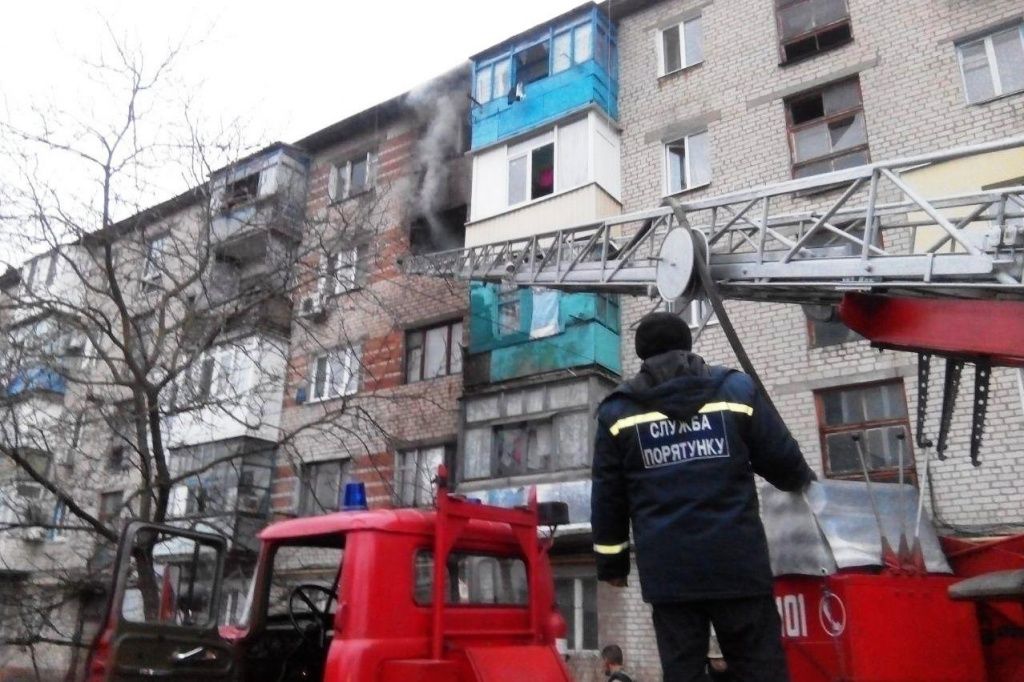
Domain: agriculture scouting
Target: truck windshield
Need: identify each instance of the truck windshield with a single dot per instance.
(472, 578)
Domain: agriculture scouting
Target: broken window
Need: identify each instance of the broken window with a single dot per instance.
(687, 163)
(241, 191)
(808, 27)
(433, 352)
(993, 65)
(827, 129)
(438, 232)
(680, 46)
(352, 177)
(876, 414)
(532, 64)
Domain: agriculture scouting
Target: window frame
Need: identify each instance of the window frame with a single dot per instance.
(578, 577)
(814, 33)
(528, 153)
(991, 62)
(451, 348)
(401, 471)
(350, 355)
(508, 296)
(659, 39)
(329, 284)
(667, 189)
(890, 474)
(153, 262)
(307, 496)
(826, 119)
(341, 172)
(102, 514)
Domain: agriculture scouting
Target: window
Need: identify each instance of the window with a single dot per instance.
(110, 507)
(687, 163)
(573, 46)
(523, 448)
(680, 46)
(153, 267)
(493, 80)
(695, 312)
(204, 387)
(433, 352)
(577, 600)
(339, 272)
(241, 192)
(415, 471)
(509, 320)
(322, 484)
(827, 130)
(825, 329)
(531, 175)
(334, 375)
(532, 64)
(57, 520)
(808, 27)
(52, 268)
(993, 65)
(473, 579)
(877, 414)
(352, 177)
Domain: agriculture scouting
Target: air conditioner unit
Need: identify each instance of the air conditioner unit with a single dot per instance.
(312, 307)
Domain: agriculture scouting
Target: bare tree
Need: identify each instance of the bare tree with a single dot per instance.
(137, 335)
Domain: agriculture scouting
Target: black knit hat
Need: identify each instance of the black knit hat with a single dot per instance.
(660, 333)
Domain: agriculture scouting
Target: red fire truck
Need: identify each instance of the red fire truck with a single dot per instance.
(463, 592)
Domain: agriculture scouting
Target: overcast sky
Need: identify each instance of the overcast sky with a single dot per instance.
(292, 67)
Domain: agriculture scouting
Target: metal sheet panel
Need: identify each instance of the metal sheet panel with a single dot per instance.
(833, 527)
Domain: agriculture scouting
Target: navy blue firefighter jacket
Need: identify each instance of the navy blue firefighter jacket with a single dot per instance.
(676, 451)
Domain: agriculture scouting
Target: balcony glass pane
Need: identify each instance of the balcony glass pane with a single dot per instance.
(583, 39)
(562, 57)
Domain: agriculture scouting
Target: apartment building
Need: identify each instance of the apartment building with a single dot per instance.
(719, 95)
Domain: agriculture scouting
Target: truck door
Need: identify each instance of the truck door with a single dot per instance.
(164, 609)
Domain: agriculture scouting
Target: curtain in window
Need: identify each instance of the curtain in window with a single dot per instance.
(545, 313)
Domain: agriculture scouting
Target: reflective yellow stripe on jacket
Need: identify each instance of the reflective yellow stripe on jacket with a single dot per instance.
(647, 417)
(611, 549)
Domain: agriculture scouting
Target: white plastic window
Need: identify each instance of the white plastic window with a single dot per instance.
(680, 46)
(334, 375)
(687, 163)
(993, 65)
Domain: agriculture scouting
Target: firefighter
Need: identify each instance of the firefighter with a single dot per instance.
(676, 451)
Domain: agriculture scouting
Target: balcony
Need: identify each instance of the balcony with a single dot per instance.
(229, 491)
(257, 205)
(518, 333)
(544, 74)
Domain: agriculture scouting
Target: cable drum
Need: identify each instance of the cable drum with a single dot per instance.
(676, 274)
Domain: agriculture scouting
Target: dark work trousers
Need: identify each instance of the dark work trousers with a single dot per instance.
(749, 634)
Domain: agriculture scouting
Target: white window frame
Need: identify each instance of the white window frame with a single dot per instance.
(342, 172)
(694, 313)
(659, 44)
(349, 360)
(579, 613)
(666, 164)
(330, 283)
(993, 66)
(309, 503)
(526, 150)
(153, 262)
(420, 497)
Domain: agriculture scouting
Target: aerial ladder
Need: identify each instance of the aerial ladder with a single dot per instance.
(941, 276)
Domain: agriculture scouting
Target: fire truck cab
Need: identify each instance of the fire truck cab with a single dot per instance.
(354, 595)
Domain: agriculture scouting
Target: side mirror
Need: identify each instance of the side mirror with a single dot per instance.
(552, 513)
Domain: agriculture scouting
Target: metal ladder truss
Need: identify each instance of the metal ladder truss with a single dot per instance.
(808, 241)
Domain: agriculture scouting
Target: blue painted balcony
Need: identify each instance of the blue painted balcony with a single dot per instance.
(523, 332)
(542, 75)
(44, 379)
